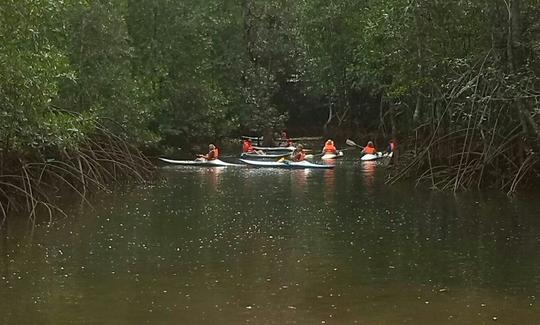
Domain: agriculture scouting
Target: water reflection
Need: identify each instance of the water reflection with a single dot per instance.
(212, 174)
(329, 185)
(265, 246)
(369, 169)
(299, 178)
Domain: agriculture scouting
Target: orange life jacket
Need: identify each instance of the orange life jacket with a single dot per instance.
(330, 148)
(369, 150)
(247, 147)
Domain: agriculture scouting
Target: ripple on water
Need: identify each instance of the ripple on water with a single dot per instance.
(270, 246)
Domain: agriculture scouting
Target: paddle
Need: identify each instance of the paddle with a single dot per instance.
(350, 142)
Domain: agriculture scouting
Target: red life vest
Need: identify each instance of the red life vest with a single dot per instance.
(369, 150)
(330, 148)
(247, 147)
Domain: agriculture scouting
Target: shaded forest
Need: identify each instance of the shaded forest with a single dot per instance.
(87, 86)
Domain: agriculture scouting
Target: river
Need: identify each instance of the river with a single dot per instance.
(265, 246)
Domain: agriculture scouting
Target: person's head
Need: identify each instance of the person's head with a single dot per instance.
(329, 142)
(300, 147)
(283, 134)
(211, 146)
(370, 144)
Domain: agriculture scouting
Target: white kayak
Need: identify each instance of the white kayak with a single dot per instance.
(199, 162)
(378, 155)
(264, 156)
(285, 164)
(291, 148)
(332, 155)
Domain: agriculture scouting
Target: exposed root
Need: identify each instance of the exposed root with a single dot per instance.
(477, 140)
(29, 186)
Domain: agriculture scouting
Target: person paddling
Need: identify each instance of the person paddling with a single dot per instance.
(369, 149)
(329, 147)
(212, 154)
(247, 147)
(298, 154)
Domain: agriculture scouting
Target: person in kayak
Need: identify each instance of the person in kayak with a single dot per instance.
(329, 147)
(285, 141)
(298, 153)
(369, 149)
(213, 153)
(392, 146)
(247, 147)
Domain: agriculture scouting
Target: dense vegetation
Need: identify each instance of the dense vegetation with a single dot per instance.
(457, 81)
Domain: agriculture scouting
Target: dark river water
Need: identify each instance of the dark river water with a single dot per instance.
(265, 246)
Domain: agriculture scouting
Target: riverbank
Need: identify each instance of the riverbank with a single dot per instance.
(32, 183)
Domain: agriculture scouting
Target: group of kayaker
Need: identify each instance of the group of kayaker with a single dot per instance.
(299, 153)
(370, 149)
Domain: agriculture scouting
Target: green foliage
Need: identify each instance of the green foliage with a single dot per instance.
(30, 68)
(185, 70)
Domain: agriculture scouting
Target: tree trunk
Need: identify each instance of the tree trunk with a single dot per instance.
(513, 39)
(417, 110)
(420, 70)
(248, 28)
(393, 127)
(330, 118)
(381, 115)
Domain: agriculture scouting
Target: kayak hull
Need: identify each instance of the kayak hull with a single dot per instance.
(199, 162)
(378, 155)
(290, 165)
(263, 156)
(291, 148)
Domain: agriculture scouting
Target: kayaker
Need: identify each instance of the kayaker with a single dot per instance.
(285, 141)
(392, 146)
(369, 149)
(329, 147)
(213, 153)
(298, 153)
(247, 147)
